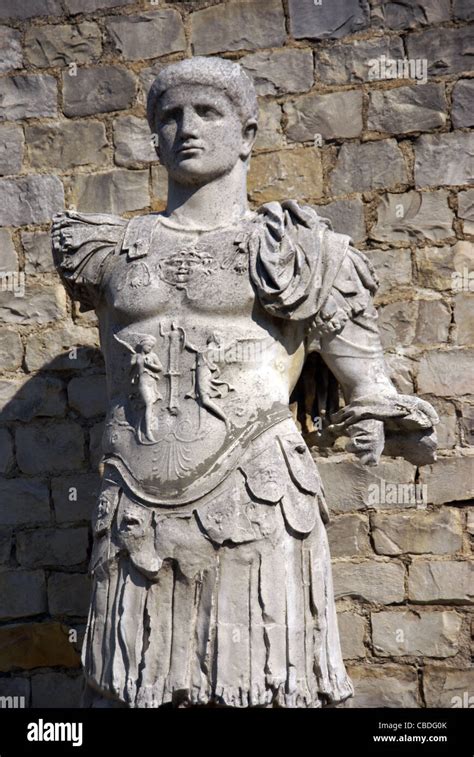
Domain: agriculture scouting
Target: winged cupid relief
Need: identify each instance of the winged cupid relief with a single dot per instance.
(211, 572)
(145, 369)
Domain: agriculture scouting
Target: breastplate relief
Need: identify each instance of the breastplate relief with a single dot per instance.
(208, 271)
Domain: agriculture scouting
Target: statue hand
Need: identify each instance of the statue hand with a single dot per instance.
(398, 411)
(367, 441)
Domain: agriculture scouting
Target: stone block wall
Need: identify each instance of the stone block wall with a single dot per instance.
(366, 109)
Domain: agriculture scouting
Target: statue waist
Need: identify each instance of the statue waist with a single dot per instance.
(184, 464)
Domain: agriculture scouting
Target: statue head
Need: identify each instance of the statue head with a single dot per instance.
(204, 112)
(146, 344)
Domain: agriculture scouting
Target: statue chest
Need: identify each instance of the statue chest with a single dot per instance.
(182, 272)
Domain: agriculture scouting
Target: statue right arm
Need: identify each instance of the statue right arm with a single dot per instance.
(82, 243)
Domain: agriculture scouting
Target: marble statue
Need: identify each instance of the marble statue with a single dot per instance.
(211, 571)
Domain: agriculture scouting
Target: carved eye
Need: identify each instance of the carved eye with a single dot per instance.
(167, 116)
(207, 112)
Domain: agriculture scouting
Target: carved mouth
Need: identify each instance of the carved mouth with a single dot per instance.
(186, 149)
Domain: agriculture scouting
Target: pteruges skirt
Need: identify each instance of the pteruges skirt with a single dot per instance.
(226, 601)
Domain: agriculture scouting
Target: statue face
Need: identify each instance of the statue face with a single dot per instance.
(201, 136)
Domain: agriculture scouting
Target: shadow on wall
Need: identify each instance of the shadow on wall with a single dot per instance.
(50, 447)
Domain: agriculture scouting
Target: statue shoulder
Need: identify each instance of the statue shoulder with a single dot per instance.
(82, 243)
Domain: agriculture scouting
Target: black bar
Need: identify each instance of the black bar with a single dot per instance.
(218, 730)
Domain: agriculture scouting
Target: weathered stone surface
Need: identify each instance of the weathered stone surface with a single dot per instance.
(18, 689)
(436, 375)
(280, 71)
(350, 486)
(68, 594)
(6, 540)
(13, 9)
(466, 210)
(413, 216)
(462, 113)
(26, 399)
(346, 216)
(30, 199)
(56, 690)
(330, 116)
(99, 89)
(447, 429)
(467, 424)
(436, 533)
(159, 186)
(56, 145)
(352, 633)
(446, 50)
(444, 159)
(88, 395)
(441, 581)
(23, 593)
(27, 96)
(132, 141)
(148, 75)
(368, 165)
(463, 9)
(327, 20)
(148, 35)
(269, 135)
(37, 249)
(62, 44)
(24, 500)
(383, 686)
(396, 15)
(451, 479)
(430, 634)
(434, 319)
(344, 63)
(470, 521)
(349, 535)
(52, 547)
(67, 348)
(43, 302)
(8, 256)
(393, 268)
(95, 445)
(406, 109)
(86, 6)
(54, 448)
(74, 496)
(36, 645)
(11, 350)
(437, 267)
(7, 455)
(11, 149)
(112, 192)
(287, 174)
(397, 323)
(401, 370)
(464, 318)
(238, 26)
(10, 44)
(446, 687)
(371, 581)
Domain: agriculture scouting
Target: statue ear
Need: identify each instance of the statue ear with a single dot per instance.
(249, 133)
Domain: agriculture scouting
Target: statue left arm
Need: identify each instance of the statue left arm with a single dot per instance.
(349, 343)
(303, 270)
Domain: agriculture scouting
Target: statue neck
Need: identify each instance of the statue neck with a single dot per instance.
(219, 202)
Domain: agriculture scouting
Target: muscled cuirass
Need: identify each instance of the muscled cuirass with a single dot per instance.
(197, 368)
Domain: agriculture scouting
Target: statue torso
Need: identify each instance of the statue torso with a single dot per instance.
(196, 367)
